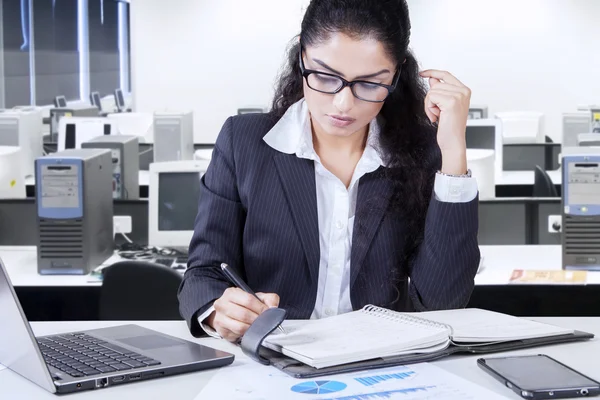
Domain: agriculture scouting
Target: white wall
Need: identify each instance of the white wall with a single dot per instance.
(215, 56)
(539, 55)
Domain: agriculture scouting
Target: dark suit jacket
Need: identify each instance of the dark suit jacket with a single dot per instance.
(258, 213)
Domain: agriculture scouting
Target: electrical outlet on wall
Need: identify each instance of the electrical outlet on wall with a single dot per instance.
(121, 224)
(554, 223)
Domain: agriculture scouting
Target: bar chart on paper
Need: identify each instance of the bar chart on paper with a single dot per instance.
(373, 380)
(414, 382)
(409, 393)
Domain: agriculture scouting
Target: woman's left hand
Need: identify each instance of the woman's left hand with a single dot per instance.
(447, 102)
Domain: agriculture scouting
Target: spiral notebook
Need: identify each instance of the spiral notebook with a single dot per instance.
(374, 333)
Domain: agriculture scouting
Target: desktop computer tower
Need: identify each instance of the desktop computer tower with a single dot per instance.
(125, 164)
(173, 136)
(23, 129)
(74, 211)
(581, 209)
(574, 124)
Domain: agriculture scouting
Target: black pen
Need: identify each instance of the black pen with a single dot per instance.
(238, 282)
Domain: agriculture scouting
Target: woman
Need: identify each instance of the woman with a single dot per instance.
(355, 182)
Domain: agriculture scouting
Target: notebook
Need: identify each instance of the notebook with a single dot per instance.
(378, 333)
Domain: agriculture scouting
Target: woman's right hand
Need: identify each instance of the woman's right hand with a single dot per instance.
(236, 310)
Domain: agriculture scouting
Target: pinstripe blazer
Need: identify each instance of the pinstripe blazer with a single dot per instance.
(257, 212)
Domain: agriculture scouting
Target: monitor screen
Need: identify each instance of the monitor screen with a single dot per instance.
(119, 98)
(70, 139)
(524, 157)
(60, 102)
(481, 137)
(178, 194)
(96, 100)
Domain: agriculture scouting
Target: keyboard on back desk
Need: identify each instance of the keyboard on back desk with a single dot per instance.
(171, 262)
(79, 355)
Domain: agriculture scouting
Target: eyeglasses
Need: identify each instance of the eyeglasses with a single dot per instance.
(332, 84)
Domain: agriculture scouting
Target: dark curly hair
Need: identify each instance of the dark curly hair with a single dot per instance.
(408, 139)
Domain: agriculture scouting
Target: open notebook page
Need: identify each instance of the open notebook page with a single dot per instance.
(353, 336)
(479, 326)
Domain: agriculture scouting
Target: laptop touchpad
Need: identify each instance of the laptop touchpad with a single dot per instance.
(149, 342)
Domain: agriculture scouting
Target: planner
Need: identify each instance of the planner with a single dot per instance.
(374, 337)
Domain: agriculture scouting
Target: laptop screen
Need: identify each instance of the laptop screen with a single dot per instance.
(20, 351)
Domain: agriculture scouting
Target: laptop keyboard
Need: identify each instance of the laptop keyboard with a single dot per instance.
(79, 355)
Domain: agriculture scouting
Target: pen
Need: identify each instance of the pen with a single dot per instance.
(237, 281)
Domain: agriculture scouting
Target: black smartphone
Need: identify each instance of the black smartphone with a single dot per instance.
(539, 377)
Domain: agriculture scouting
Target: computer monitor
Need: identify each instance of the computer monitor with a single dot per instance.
(23, 129)
(478, 112)
(173, 192)
(60, 102)
(486, 134)
(95, 100)
(72, 131)
(119, 99)
(76, 110)
(525, 156)
(522, 126)
(250, 110)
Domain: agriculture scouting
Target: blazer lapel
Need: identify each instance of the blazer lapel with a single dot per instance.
(374, 194)
(297, 177)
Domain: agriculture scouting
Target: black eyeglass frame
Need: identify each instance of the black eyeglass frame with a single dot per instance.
(390, 88)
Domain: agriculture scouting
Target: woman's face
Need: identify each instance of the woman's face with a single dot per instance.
(342, 114)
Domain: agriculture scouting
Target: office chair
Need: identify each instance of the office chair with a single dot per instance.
(139, 290)
(542, 184)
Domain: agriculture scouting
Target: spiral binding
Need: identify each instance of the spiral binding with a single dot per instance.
(405, 318)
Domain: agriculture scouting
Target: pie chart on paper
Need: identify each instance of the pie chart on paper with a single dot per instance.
(319, 387)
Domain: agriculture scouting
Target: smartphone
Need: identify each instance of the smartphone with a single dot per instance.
(539, 377)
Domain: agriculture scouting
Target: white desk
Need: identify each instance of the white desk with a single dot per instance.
(500, 261)
(21, 264)
(507, 178)
(525, 177)
(187, 386)
(143, 176)
(498, 264)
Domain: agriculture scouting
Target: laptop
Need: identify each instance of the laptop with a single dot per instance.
(93, 359)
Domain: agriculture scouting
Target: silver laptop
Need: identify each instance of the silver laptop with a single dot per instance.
(93, 359)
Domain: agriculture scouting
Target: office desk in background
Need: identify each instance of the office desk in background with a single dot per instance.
(493, 291)
(498, 263)
(143, 176)
(73, 298)
(525, 178)
(188, 386)
(509, 184)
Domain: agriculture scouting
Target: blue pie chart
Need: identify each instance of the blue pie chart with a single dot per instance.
(319, 387)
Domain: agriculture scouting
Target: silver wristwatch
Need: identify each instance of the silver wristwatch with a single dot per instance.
(467, 175)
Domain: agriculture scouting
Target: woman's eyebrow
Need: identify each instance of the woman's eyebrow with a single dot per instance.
(322, 64)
